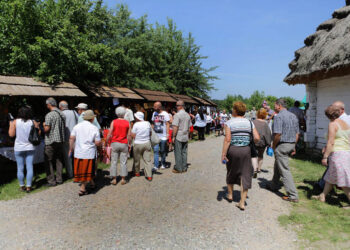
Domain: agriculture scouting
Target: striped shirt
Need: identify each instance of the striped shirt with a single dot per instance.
(241, 129)
(286, 124)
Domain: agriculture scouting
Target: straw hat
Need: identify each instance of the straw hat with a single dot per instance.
(89, 115)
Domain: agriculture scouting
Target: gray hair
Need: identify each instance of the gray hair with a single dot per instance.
(63, 105)
(51, 101)
(281, 102)
(120, 112)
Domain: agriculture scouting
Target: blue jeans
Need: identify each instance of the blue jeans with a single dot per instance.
(162, 149)
(24, 158)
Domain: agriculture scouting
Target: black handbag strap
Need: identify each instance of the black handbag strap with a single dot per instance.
(64, 124)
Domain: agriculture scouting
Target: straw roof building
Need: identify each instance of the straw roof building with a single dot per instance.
(323, 65)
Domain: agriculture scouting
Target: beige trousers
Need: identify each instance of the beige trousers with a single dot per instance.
(144, 152)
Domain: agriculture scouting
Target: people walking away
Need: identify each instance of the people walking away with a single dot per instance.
(270, 116)
(71, 121)
(129, 115)
(336, 154)
(253, 114)
(181, 125)
(299, 114)
(285, 131)
(81, 108)
(223, 120)
(236, 152)
(24, 149)
(171, 143)
(84, 140)
(200, 124)
(209, 123)
(141, 133)
(161, 126)
(265, 135)
(343, 116)
(119, 136)
(55, 136)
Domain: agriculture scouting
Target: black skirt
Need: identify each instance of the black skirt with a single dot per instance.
(239, 166)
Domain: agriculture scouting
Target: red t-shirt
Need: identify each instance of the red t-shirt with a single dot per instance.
(120, 131)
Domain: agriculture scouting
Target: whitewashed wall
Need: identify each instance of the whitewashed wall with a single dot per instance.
(321, 95)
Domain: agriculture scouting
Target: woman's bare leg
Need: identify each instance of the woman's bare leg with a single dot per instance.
(230, 191)
(327, 188)
(244, 194)
(260, 162)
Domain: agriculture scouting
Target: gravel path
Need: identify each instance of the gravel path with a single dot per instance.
(174, 211)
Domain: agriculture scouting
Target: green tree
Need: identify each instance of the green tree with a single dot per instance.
(84, 42)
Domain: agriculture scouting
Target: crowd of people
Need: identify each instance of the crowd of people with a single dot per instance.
(74, 138)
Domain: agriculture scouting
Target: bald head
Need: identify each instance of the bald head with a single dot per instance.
(63, 105)
(157, 106)
(340, 105)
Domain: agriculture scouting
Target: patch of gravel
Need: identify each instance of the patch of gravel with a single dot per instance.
(174, 211)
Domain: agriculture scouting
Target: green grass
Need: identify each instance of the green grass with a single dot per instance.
(11, 190)
(321, 225)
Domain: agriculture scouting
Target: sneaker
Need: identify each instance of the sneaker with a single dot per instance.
(149, 178)
(162, 167)
(155, 169)
(137, 174)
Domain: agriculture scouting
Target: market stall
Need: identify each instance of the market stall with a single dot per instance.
(18, 91)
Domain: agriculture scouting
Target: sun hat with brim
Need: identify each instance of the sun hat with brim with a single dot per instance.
(139, 116)
(82, 106)
(89, 114)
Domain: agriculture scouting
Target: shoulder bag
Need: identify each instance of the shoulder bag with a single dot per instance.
(154, 137)
(254, 153)
(34, 137)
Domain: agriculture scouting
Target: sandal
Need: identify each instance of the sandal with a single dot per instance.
(23, 188)
(82, 193)
(114, 182)
(287, 198)
(317, 197)
(228, 199)
(28, 190)
(123, 182)
(240, 207)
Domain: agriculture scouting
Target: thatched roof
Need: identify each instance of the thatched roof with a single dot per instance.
(117, 92)
(154, 96)
(26, 86)
(326, 53)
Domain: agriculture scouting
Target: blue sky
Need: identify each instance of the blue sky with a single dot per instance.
(251, 41)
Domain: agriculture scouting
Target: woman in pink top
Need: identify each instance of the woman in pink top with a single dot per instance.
(120, 138)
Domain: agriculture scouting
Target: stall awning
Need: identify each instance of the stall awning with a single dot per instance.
(185, 98)
(154, 96)
(115, 92)
(26, 86)
(213, 104)
(202, 101)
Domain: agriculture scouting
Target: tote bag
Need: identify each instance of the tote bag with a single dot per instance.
(34, 137)
(154, 137)
(254, 153)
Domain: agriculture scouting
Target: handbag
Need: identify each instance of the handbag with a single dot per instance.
(269, 151)
(34, 137)
(154, 137)
(253, 151)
